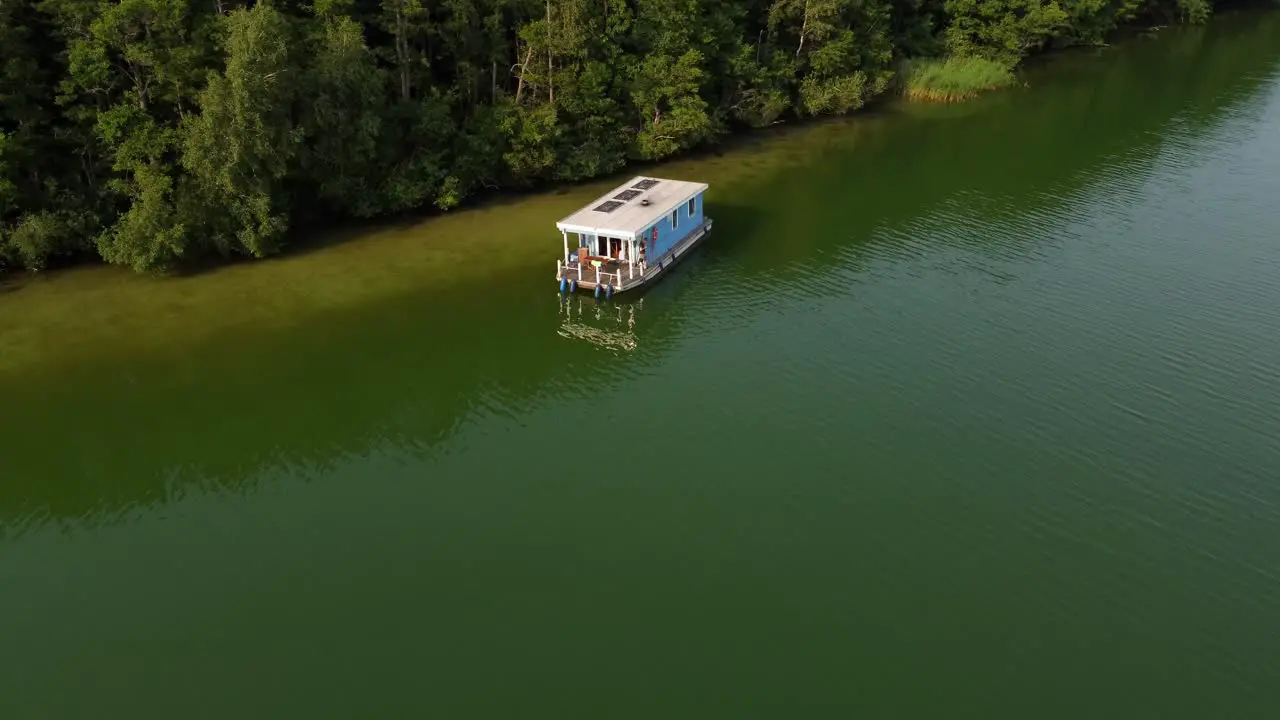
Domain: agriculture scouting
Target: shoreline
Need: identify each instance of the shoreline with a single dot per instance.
(79, 315)
(313, 234)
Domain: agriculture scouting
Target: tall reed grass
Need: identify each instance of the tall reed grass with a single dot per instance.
(954, 79)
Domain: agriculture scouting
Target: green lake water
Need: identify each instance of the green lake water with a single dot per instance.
(964, 411)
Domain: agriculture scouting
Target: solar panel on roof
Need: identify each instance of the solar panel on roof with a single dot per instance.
(645, 184)
(626, 195)
(609, 206)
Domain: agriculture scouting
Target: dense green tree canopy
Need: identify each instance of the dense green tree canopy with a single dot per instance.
(155, 132)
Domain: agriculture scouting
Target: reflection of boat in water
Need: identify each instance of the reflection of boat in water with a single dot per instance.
(610, 326)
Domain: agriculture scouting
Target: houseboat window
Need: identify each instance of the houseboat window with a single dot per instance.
(675, 214)
(691, 202)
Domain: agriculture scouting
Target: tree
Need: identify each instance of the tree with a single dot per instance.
(667, 79)
(842, 50)
(1005, 30)
(672, 115)
(243, 143)
(342, 119)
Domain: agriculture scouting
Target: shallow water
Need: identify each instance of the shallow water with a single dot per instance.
(968, 409)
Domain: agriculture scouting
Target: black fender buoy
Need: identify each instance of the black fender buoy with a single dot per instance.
(563, 284)
(597, 292)
(573, 286)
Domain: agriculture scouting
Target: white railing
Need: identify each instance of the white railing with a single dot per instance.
(575, 271)
(602, 278)
(597, 275)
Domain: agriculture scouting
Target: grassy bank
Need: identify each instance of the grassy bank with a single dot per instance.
(954, 79)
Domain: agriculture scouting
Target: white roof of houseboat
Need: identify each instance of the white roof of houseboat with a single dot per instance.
(621, 212)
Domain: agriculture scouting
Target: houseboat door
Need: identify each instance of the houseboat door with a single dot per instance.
(607, 246)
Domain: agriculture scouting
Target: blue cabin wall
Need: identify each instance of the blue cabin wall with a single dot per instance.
(667, 238)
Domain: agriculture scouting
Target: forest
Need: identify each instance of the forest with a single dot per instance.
(155, 134)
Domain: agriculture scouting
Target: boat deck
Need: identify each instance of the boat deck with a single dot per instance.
(609, 273)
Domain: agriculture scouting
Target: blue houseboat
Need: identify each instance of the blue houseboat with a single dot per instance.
(630, 236)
